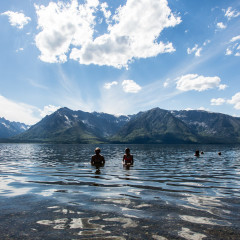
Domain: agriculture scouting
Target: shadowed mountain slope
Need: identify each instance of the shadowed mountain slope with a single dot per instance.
(155, 126)
(152, 126)
(9, 129)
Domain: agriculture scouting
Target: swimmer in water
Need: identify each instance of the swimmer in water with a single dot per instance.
(97, 159)
(197, 153)
(127, 157)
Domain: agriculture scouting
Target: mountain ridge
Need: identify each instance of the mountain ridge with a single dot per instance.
(152, 126)
(9, 129)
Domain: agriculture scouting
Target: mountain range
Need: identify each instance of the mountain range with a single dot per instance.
(9, 129)
(152, 126)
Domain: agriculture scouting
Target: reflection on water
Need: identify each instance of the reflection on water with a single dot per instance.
(168, 192)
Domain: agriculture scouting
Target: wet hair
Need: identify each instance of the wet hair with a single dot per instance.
(127, 150)
(97, 149)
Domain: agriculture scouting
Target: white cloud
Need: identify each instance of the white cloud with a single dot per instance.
(165, 84)
(198, 83)
(228, 51)
(229, 13)
(63, 24)
(17, 19)
(197, 50)
(47, 110)
(222, 86)
(203, 109)
(234, 46)
(133, 32)
(234, 39)
(19, 112)
(206, 42)
(221, 25)
(109, 85)
(235, 101)
(200, 108)
(106, 13)
(130, 86)
(19, 50)
(217, 101)
(137, 26)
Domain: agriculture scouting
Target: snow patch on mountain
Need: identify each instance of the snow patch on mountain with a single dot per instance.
(86, 122)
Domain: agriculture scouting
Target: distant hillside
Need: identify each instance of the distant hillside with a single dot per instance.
(70, 126)
(211, 127)
(9, 129)
(152, 126)
(155, 126)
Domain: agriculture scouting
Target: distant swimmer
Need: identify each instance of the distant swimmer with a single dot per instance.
(202, 152)
(97, 159)
(196, 153)
(127, 157)
(219, 153)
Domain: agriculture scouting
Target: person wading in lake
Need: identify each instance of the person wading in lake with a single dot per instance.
(97, 159)
(127, 157)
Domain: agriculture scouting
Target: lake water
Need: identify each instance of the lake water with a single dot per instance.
(52, 192)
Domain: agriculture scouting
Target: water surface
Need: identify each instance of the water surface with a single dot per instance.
(52, 192)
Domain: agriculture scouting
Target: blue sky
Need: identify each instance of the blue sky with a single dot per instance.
(119, 57)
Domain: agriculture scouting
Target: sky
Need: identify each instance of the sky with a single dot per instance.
(118, 56)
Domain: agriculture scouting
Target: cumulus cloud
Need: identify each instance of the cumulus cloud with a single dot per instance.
(222, 86)
(47, 110)
(17, 19)
(19, 112)
(228, 51)
(132, 34)
(106, 13)
(198, 83)
(196, 50)
(63, 24)
(110, 84)
(221, 25)
(129, 86)
(235, 101)
(217, 101)
(231, 13)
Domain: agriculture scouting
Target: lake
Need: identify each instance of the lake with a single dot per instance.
(52, 192)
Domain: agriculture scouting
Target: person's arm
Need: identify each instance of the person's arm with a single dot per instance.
(92, 160)
(103, 160)
(123, 158)
(132, 159)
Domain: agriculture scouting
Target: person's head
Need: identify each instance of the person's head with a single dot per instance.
(97, 150)
(127, 150)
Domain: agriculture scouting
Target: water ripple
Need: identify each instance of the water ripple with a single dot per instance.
(166, 185)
